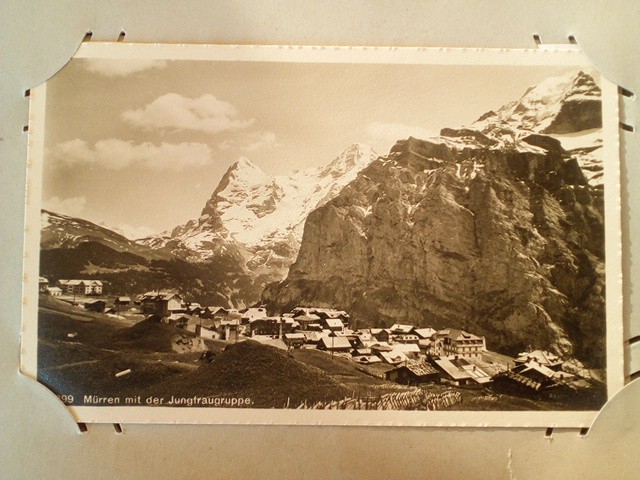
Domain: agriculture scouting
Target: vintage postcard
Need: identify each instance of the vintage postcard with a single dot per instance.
(324, 235)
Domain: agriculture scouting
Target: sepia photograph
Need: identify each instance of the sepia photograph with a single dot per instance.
(305, 229)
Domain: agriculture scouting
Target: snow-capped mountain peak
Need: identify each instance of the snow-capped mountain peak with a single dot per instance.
(264, 215)
(545, 107)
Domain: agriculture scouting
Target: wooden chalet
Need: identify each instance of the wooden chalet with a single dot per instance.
(541, 357)
(294, 340)
(334, 344)
(162, 303)
(123, 301)
(95, 305)
(457, 371)
(413, 373)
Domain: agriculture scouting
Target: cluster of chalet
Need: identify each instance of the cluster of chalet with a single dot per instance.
(70, 287)
(401, 353)
(538, 373)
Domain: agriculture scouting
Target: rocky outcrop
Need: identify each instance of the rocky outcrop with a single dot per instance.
(497, 233)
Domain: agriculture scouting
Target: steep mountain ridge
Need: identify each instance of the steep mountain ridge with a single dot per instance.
(260, 216)
(493, 228)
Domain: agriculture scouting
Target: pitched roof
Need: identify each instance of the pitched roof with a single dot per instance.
(294, 336)
(527, 382)
(424, 332)
(333, 343)
(213, 309)
(460, 369)
(541, 356)
(400, 328)
(307, 317)
(451, 369)
(367, 359)
(420, 369)
(381, 347)
(331, 322)
(406, 336)
(406, 347)
(532, 365)
(457, 334)
(394, 357)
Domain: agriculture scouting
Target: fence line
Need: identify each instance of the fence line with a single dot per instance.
(417, 399)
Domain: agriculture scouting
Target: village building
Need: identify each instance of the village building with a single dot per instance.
(334, 343)
(425, 333)
(95, 305)
(294, 340)
(80, 287)
(231, 330)
(453, 341)
(162, 304)
(361, 351)
(253, 313)
(210, 311)
(367, 359)
(410, 350)
(208, 332)
(380, 347)
(228, 314)
(364, 340)
(123, 301)
(457, 371)
(393, 357)
(43, 284)
(541, 357)
(323, 313)
(381, 334)
(413, 373)
(272, 326)
(306, 320)
(527, 379)
(180, 320)
(399, 329)
(408, 338)
(333, 324)
(426, 346)
(54, 291)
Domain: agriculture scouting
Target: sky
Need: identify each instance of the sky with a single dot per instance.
(140, 145)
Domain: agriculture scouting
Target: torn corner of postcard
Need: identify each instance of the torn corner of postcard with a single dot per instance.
(324, 236)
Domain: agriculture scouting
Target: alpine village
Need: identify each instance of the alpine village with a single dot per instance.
(460, 272)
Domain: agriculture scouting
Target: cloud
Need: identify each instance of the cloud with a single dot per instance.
(384, 135)
(173, 111)
(72, 206)
(111, 67)
(116, 154)
(252, 142)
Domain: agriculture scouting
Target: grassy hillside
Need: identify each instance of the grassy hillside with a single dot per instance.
(268, 376)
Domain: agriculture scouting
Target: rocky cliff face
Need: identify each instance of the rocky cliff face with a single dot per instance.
(492, 228)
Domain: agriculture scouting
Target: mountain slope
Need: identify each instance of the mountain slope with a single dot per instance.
(63, 231)
(76, 248)
(492, 228)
